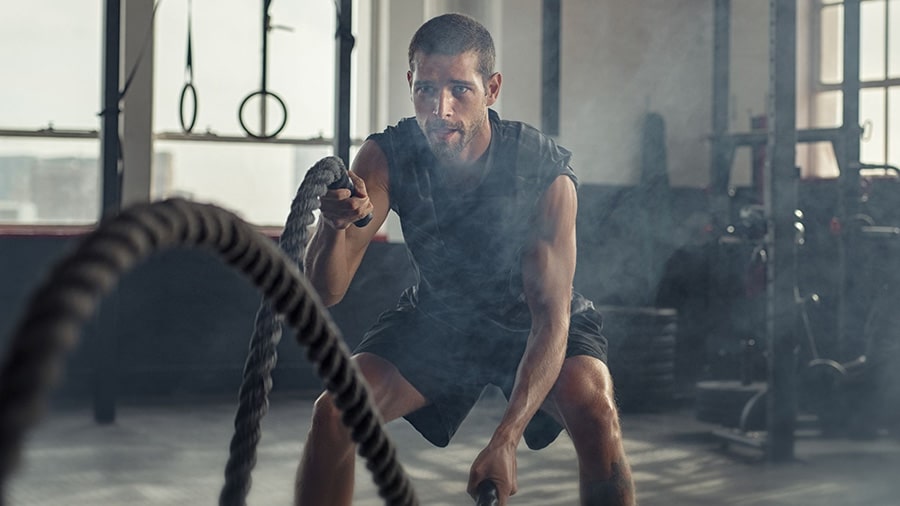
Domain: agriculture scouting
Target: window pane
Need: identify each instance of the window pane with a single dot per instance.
(829, 112)
(227, 61)
(894, 38)
(53, 50)
(893, 126)
(831, 65)
(871, 116)
(257, 181)
(872, 40)
(824, 163)
(49, 181)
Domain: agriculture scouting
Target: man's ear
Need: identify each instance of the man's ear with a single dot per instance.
(409, 81)
(492, 89)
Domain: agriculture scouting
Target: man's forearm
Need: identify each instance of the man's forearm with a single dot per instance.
(538, 370)
(326, 265)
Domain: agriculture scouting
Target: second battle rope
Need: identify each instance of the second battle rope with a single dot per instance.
(262, 357)
(51, 323)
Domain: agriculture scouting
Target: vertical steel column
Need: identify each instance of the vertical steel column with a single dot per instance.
(343, 49)
(780, 194)
(105, 351)
(847, 157)
(721, 152)
(550, 52)
(137, 104)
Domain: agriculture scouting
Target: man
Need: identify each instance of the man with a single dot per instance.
(488, 213)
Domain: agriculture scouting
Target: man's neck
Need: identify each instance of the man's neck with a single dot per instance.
(464, 176)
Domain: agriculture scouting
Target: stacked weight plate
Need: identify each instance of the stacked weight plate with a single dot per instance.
(641, 355)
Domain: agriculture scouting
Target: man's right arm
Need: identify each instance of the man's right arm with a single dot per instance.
(337, 246)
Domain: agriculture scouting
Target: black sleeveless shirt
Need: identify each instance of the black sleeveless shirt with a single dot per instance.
(466, 247)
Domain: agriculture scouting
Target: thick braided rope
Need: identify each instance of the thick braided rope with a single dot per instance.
(59, 307)
(257, 384)
(262, 357)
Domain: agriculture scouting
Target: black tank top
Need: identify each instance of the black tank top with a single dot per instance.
(466, 247)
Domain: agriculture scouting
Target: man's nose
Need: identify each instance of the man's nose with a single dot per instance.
(443, 107)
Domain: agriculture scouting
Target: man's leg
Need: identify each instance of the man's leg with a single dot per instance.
(582, 399)
(325, 475)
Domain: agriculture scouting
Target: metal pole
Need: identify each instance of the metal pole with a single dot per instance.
(105, 349)
(780, 195)
(849, 303)
(343, 50)
(720, 163)
(722, 149)
(550, 52)
(263, 85)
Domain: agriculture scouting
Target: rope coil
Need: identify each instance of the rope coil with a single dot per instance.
(51, 323)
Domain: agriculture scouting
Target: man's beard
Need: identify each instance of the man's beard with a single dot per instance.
(449, 151)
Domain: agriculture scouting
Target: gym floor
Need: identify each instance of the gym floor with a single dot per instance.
(175, 452)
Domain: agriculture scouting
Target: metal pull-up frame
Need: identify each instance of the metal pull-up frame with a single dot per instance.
(780, 181)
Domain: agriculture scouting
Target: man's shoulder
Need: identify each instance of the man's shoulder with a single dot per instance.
(528, 142)
(404, 125)
(512, 128)
(523, 134)
(403, 134)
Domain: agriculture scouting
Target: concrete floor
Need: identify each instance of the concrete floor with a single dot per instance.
(174, 454)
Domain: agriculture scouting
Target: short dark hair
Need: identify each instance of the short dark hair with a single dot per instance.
(452, 34)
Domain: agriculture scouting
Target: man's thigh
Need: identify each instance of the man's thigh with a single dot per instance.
(391, 393)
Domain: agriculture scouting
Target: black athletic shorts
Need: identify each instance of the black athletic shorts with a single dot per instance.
(451, 363)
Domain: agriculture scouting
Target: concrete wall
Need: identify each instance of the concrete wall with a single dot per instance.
(622, 60)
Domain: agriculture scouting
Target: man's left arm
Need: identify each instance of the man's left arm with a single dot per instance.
(548, 269)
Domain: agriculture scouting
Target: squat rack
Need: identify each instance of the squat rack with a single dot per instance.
(779, 193)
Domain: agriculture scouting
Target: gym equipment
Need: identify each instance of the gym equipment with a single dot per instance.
(732, 404)
(263, 91)
(345, 182)
(188, 88)
(641, 345)
(486, 494)
(67, 298)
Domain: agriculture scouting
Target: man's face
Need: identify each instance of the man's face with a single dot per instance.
(451, 101)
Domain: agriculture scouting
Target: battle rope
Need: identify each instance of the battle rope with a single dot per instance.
(257, 384)
(51, 323)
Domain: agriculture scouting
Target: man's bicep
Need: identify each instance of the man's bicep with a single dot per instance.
(371, 165)
(549, 263)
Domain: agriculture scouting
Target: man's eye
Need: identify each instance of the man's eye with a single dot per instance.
(424, 90)
(459, 90)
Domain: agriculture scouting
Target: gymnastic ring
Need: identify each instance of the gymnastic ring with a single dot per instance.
(264, 94)
(188, 87)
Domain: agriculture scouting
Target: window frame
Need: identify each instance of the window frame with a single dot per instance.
(820, 88)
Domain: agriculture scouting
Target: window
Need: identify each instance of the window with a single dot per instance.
(49, 168)
(879, 59)
(257, 180)
(49, 130)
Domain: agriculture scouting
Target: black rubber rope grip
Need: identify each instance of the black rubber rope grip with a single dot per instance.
(486, 494)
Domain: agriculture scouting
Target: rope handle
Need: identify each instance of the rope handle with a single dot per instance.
(347, 183)
(486, 494)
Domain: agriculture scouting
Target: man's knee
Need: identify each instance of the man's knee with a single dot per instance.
(584, 395)
(326, 416)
